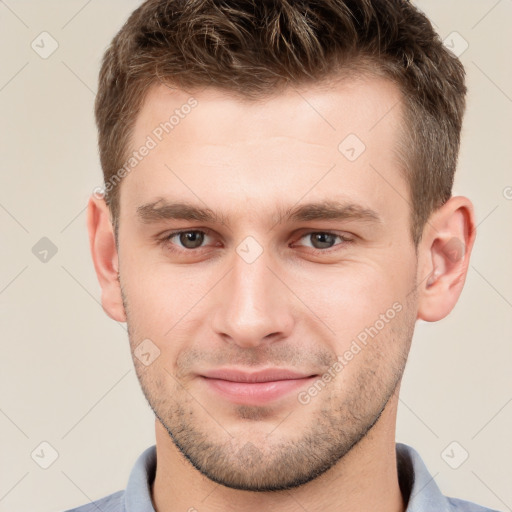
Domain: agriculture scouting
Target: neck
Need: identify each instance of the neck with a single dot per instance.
(365, 479)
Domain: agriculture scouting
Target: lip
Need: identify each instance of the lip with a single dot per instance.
(257, 387)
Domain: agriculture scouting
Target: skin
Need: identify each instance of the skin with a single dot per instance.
(207, 307)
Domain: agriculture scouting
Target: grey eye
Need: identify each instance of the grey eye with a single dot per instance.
(191, 239)
(324, 240)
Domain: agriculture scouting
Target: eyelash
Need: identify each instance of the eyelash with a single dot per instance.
(166, 240)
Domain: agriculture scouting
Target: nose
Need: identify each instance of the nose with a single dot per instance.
(254, 304)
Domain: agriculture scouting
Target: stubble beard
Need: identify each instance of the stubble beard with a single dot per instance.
(266, 462)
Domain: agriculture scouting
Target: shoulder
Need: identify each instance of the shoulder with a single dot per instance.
(137, 494)
(420, 489)
(458, 505)
(111, 503)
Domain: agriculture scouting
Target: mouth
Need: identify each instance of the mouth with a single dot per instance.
(255, 388)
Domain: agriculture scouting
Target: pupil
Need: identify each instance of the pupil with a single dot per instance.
(191, 239)
(320, 237)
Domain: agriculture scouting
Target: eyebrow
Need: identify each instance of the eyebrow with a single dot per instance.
(324, 210)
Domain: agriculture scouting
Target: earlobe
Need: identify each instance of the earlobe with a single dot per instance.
(443, 258)
(105, 257)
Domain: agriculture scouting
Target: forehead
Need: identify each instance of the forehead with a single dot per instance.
(333, 107)
(211, 144)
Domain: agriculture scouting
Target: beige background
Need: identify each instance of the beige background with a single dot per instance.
(66, 373)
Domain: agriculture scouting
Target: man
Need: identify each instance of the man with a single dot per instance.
(277, 214)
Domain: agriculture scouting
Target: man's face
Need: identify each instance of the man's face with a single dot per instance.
(263, 289)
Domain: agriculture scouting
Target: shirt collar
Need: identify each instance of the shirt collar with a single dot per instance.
(418, 486)
(137, 496)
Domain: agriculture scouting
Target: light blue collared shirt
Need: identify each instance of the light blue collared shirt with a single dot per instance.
(416, 483)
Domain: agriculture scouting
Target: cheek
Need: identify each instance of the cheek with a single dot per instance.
(348, 298)
(167, 306)
(159, 295)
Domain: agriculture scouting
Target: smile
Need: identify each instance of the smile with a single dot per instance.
(256, 388)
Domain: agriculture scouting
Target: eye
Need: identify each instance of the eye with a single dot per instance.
(186, 240)
(324, 240)
(193, 239)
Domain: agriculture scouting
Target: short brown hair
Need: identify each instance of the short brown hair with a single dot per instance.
(254, 48)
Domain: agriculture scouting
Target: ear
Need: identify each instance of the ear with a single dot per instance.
(443, 258)
(105, 257)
